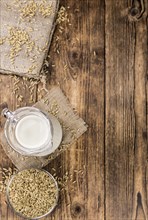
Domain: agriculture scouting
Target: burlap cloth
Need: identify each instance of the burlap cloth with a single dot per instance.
(54, 102)
(38, 27)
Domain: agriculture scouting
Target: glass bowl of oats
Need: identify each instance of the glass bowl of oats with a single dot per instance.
(32, 193)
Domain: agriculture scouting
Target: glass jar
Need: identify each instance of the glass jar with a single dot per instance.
(31, 132)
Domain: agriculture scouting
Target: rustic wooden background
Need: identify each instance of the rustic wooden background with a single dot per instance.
(102, 67)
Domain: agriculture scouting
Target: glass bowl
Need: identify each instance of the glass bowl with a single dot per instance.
(20, 214)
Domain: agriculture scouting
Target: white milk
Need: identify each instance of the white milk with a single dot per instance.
(32, 131)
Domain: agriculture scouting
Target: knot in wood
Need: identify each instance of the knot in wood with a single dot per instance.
(77, 209)
(75, 56)
(134, 12)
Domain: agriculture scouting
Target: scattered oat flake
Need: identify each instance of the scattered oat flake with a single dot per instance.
(17, 38)
(62, 15)
(6, 175)
(32, 8)
(29, 10)
(2, 40)
(45, 10)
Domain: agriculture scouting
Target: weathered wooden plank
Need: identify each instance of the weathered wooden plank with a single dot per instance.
(79, 70)
(140, 198)
(125, 142)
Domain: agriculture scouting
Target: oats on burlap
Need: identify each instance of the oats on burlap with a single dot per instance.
(31, 27)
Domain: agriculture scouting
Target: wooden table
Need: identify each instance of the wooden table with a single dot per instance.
(102, 68)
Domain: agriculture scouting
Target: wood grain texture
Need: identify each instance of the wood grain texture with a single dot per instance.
(102, 68)
(140, 106)
(82, 50)
(126, 134)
